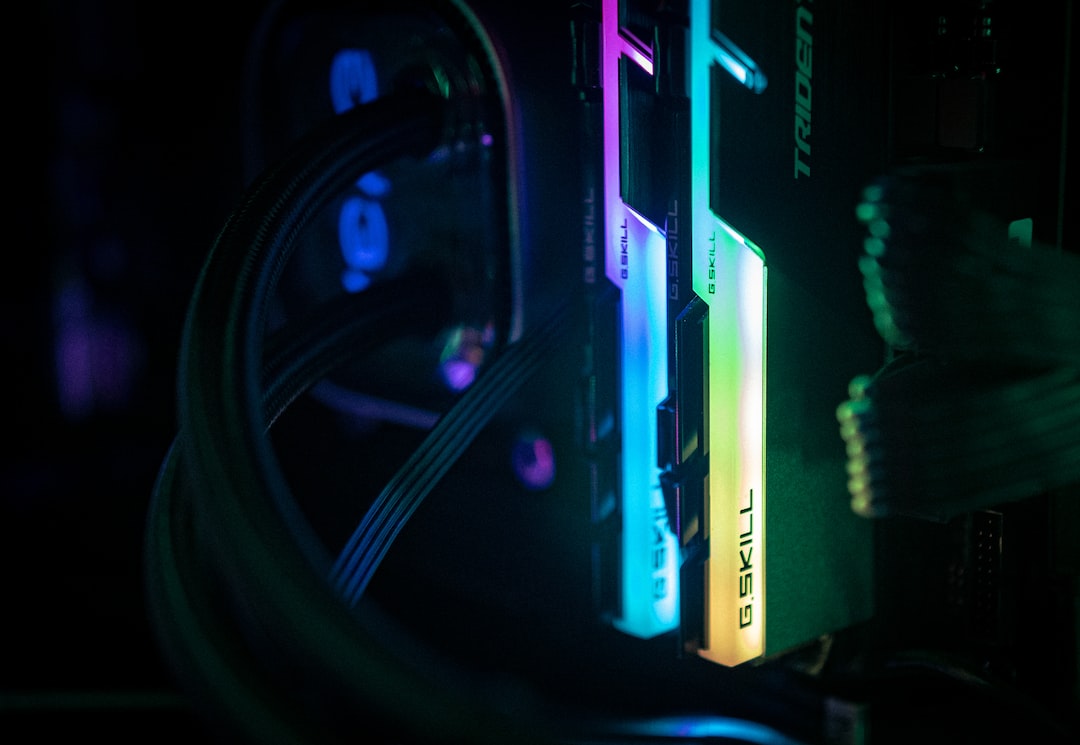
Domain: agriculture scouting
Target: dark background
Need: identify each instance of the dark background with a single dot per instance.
(122, 163)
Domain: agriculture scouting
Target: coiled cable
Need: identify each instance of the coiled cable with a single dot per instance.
(192, 625)
(933, 443)
(981, 403)
(271, 566)
(941, 276)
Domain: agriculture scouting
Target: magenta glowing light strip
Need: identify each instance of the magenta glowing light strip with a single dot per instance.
(626, 44)
(635, 252)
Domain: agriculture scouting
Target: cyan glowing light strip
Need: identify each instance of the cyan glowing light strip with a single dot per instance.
(728, 55)
(635, 253)
(693, 728)
(729, 275)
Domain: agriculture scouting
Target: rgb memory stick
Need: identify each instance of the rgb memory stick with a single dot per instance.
(677, 452)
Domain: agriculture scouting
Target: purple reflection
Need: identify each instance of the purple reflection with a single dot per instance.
(459, 374)
(98, 357)
(533, 459)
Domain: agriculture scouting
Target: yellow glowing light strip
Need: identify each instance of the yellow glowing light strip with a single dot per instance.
(729, 274)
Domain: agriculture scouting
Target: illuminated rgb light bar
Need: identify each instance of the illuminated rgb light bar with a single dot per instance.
(635, 261)
(729, 275)
(728, 55)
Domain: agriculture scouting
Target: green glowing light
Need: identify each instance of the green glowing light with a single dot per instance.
(729, 275)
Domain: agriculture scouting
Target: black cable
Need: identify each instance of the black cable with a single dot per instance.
(270, 560)
(934, 441)
(1022, 715)
(992, 413)
(941, 275)
(221, 346)
(199, 641)
(397, 502)
(308, 348)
